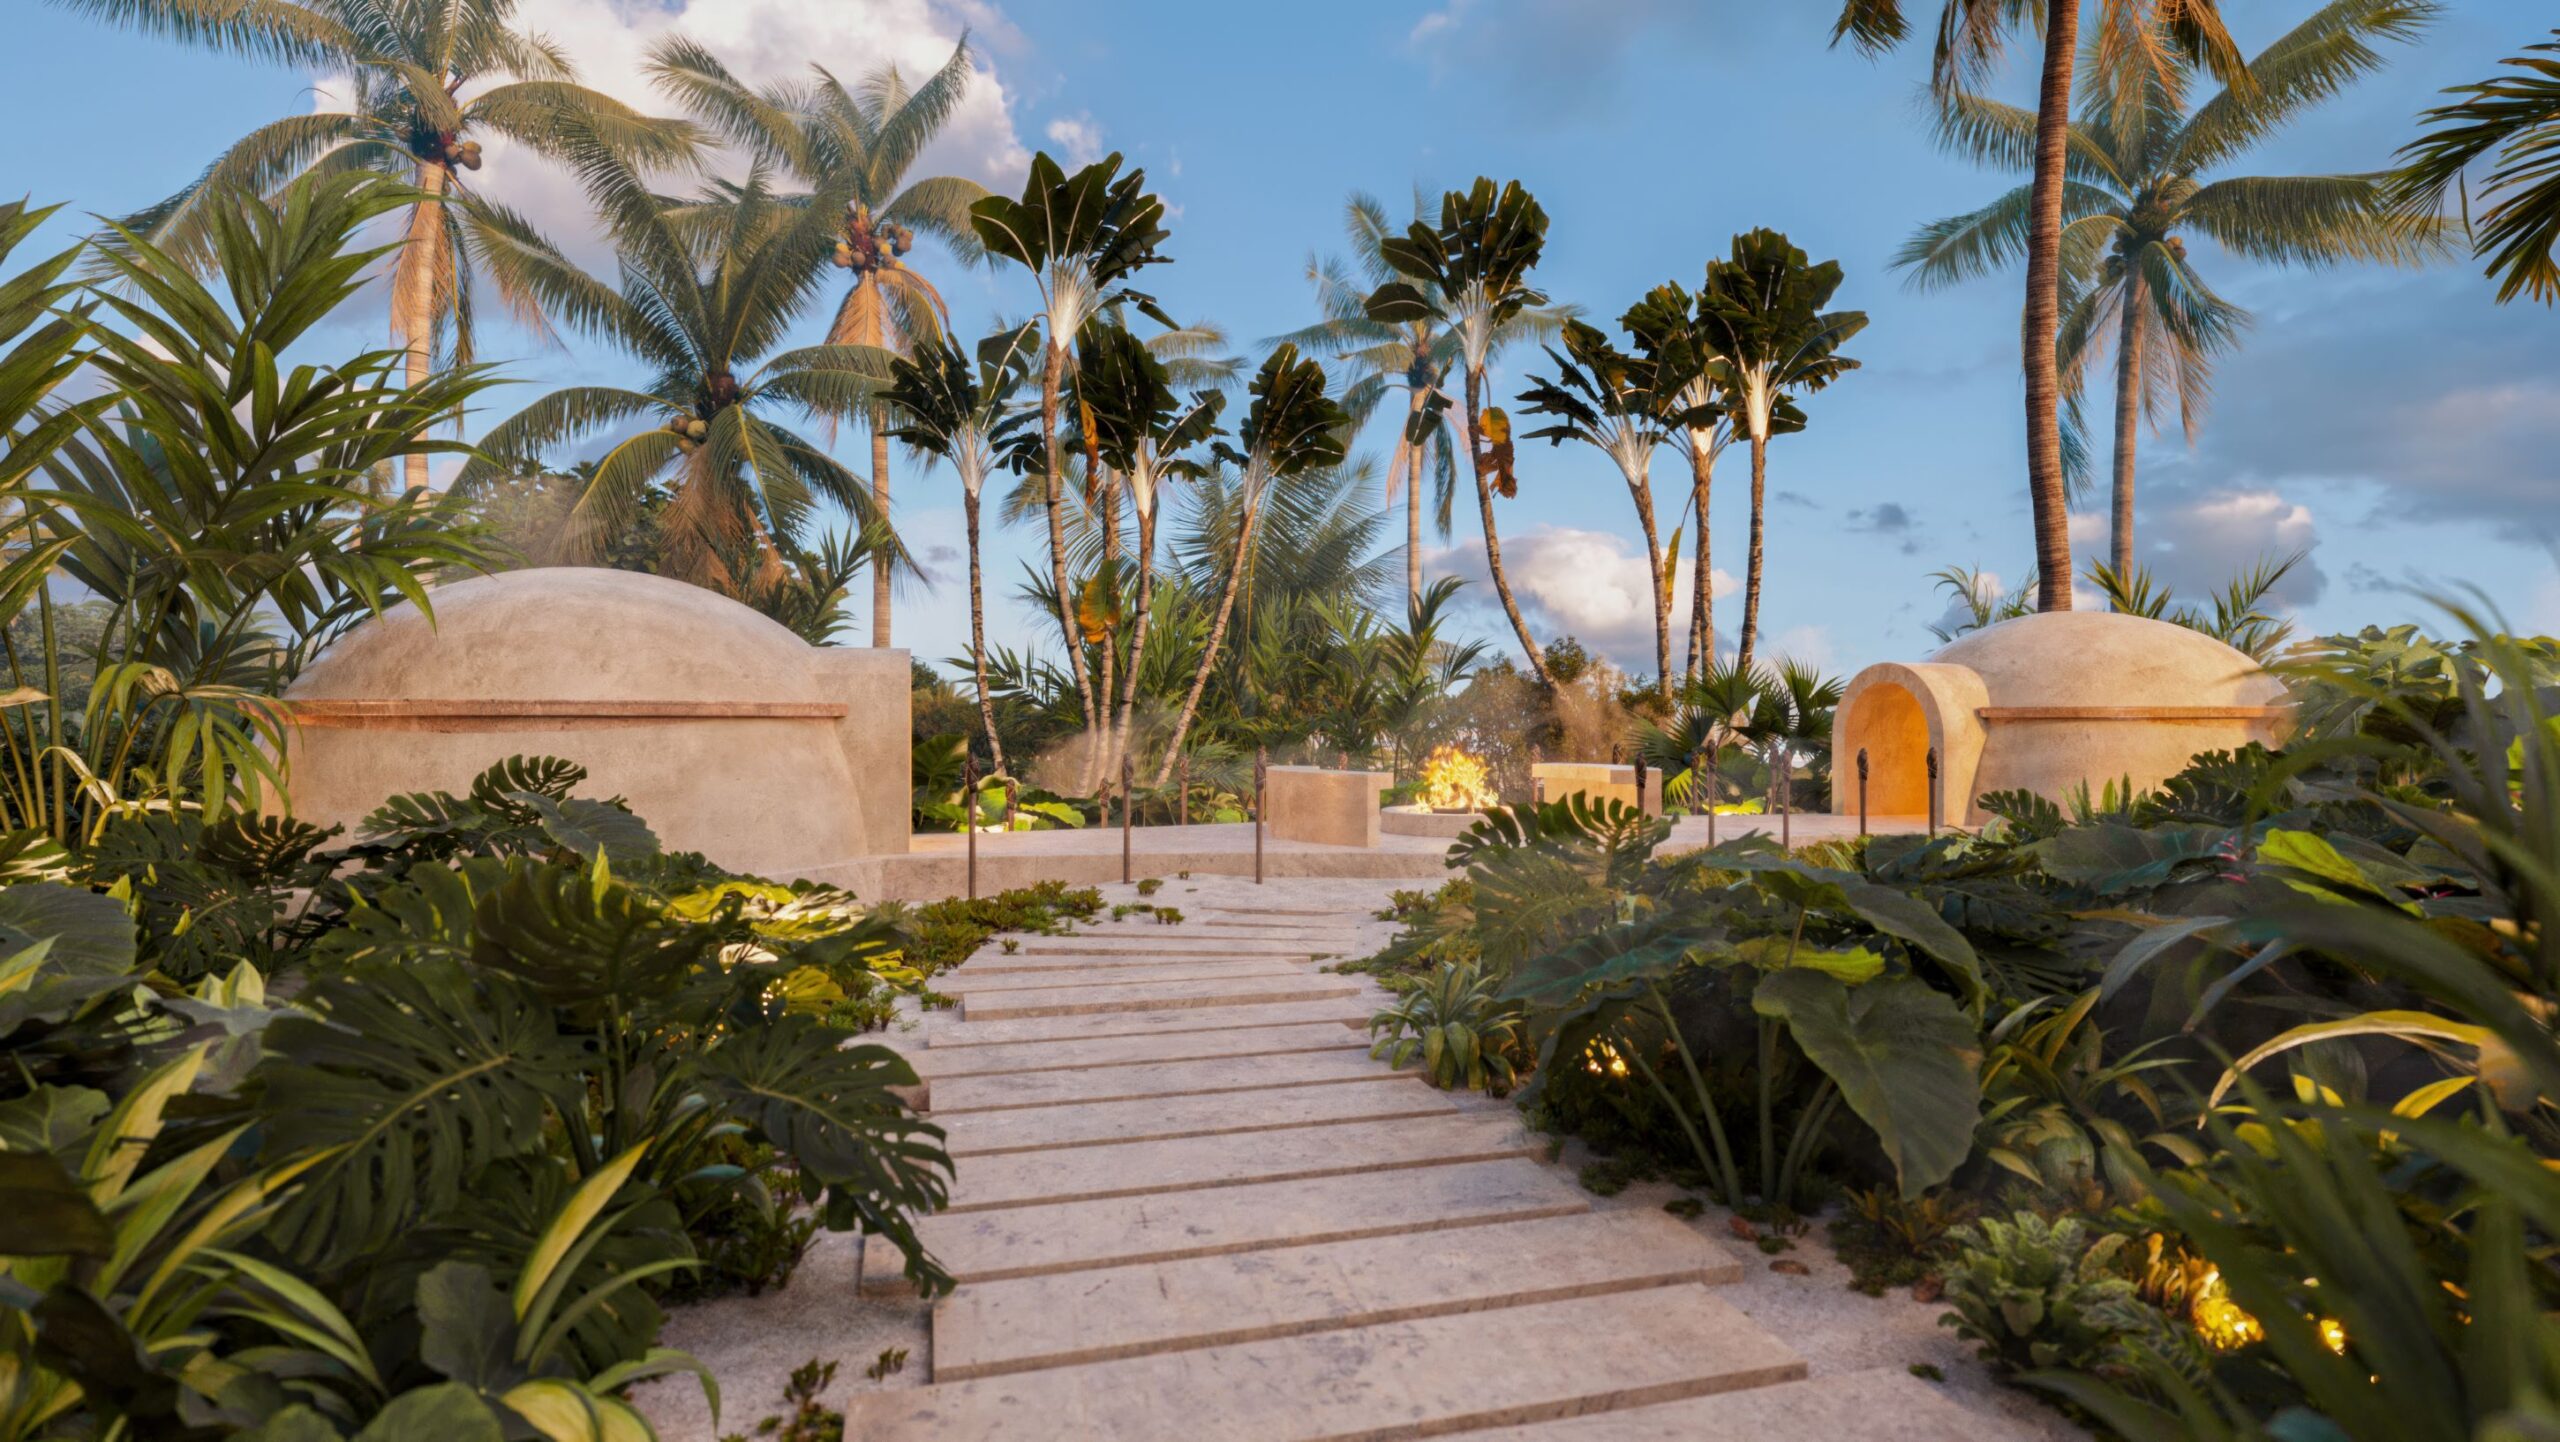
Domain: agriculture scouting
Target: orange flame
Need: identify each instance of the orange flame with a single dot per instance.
(1455, 780)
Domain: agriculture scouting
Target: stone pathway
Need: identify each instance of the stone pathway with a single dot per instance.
(1190, 1207)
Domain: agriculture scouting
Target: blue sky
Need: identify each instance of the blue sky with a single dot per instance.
(2399, 424)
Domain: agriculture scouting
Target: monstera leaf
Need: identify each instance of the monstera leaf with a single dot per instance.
(829, 1108)
(589, 828)
(1645, 951)
(1904, 1056)
(2112, 859)
(59, 946)
(414, 1077)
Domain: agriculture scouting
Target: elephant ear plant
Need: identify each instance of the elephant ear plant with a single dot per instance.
(1864, 988)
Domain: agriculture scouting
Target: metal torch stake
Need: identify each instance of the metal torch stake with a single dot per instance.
(1862, 791)
(1698, 785)
(1786, 803)
(1124, 821)
(1260, 777)
(1933, 792)
(1183, 814)
(969, 816)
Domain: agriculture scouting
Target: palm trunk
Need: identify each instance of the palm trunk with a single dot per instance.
(880, 510)
(1052, 371)
(2128, 428)
(1209, 655)
(2044, 311)
(1103, 489)
(978, 635)
(413, 299)
(1478, 462)
(1654, 562)
(1138, 637)
(1409, 454)
(1702, 595)
(1751, 578)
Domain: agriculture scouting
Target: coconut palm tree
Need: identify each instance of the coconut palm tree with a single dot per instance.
(423, 86)
(1138, 427)
(2134, 37)
(1599, 398)
(964, 415)
(1761, 310)
(1291, 428)
(1414, 356)
(1683, 387)
(2138, 185)
(1469, 275)
(2517, 118)
(708, 308)
(1081, 237)
(860, 142)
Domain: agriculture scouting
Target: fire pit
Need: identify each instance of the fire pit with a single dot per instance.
(1456, 788)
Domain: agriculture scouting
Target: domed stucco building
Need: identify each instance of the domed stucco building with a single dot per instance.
(2046, 703)
(727, 733)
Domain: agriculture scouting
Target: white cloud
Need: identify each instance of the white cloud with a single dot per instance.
(1591, 585)
(1079, 136)
(1805, 645)
(2194, 540)
(1439, 22)
(764, 41)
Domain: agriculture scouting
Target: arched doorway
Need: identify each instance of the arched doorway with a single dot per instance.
(1886, 722)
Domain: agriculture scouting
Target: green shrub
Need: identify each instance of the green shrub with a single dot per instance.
(2037, 1295)
(1465, 1035)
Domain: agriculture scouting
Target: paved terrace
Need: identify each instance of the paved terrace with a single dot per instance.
(1189, 1206)
(936, 864)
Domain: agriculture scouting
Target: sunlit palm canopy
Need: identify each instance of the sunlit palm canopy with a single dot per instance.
(406, 87)
(709, 310)
(2137, 185)
(857, 142)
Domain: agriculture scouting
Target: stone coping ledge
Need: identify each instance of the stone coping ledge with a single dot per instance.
(402, 714)
(2131, 713)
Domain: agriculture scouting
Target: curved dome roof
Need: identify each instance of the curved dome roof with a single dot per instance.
(566, 633)
(2102, 658)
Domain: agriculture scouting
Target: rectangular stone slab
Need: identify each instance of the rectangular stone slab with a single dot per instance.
(1083, 1174)
(970, 981)
(1163, 939)
(1155, 995)
(987, 963)
(947, 1034)
(1205, 1076)
(1438, 1375)
(1871, 1406)
(1067, 1236)
(945, 1062)
(1078, 1317)
(1156, 1118)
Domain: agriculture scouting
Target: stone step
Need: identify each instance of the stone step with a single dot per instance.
(942, 1033)
(1425, 1378)
(946, 1062)
(1205, 1076)
(1155, 995)
(1078, 1317)
(1309, 924)
(1080, 1174)
(990, 963)
(1031, 1129)
(1165, 1226)
(969, 980)
(1869, 1406)
(1161, 940)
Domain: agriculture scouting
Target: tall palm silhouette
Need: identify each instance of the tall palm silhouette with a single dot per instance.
(861, 142)
(2132, 38)
(2139, 184)
(1414, 356)
(418, 88)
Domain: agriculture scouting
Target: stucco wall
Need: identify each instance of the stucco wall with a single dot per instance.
(724, 731)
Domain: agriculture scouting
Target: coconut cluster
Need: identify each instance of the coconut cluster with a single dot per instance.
(868, 244)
